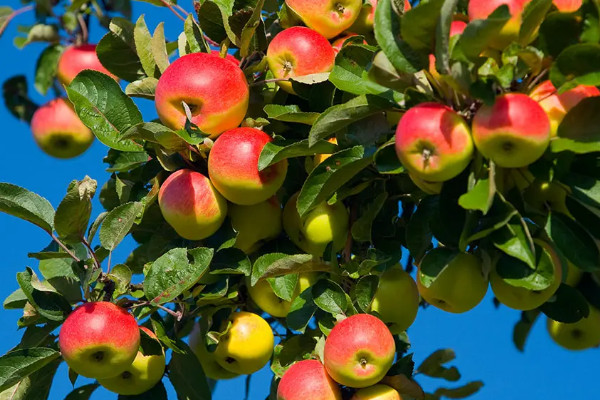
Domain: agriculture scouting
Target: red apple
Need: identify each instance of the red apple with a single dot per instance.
(558, 105)
(568, 6)
(433, 142)
(359, 351)
(99, 340)
(514, 132)
(191, 205)
(58, 130)
(77, 58)
(306, 380)
(215, 90)
(228, 57)
(366, 18)
(328, 17)
(339, 43)
(481, 9)
(233, 167)
(457, 28)
(299, 51)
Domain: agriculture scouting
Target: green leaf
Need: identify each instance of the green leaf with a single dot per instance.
(434, 263)
(231, 261)
(578, 64)
(478, 34)
(158, 327)
(117, 52)
(481, 197)
(284, 286)
(515, 240)
(22, 203)
(249, 30)
(17, 101)
(523, 328)
(74, 211)
(386, 160)
(290, 113)
(211, 21)
(179, 371)
(123, 162)
(35, 386)
(159, 47)
(16, 365)
(82, 392)
(47, 302)
(59, 273)
(577, 131)
(362, 227)
(516, 273)
(567, 305)
(460, 392)
(583, 188)
(574, 242)
(194, 36)
(156, 133)
(143, 88)
(329, 297)
(365, 290)
(418, 231)
(118, 223)
(45, 69)
(15, 300)
(274, 152)
(104, 108)
(278, 264)
(301, 311)
(442, 38)
(533, 15)
(433, 366)
(419, 25)
(143, 45)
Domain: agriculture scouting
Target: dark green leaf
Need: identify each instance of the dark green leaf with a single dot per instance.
(73, 212)
(419, 25)
(47, 302)
(433, 366)
(278, 264)
(533, 16)
(45, 69)
(362, 227)
(365, 290)
(290, 113)
(118, 223)
(117, 52)
(523, 328)
(82, 392)
(574, 242)
(284, 286)
(329, 297)
(16, 365)
(478, 34)
(302, 310)
(35, 386)
(577, 131)
(442, 38)
(22, 203)
(567, 305)
(460, 392)
(274, 152)
(515, 240)
(434, 263)
(179, 371)
(576, 65)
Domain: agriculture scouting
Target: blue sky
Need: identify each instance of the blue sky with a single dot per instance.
(480, 338)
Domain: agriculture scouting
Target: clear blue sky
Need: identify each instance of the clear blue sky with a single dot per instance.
(481, 338)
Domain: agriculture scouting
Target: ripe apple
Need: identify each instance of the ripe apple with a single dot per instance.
(299, 51)
(328, 17)
(558, 105)
(99, 340)
(481, 9)
(210, 366)
(58, 130)
(366, 18)
(319, 158)
(263, 295)
(581, 335)
(191, 205)
(514, 132)
(521, 298)
(140, 376)
(255, 224)
(426, 186)
(77, 58)
(227, 57)
(359, 351)
(322, 225)
(433, 142)
(248, 344)
(215, 90)
(377, 392)
(568, 6)
(396, 299)
(339, 43)
(307, 379)
(233, 167)
(545, 196)
(446, 294)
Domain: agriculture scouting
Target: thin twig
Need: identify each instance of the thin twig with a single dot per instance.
(84, 29)
(62, 246)
(92, 252)
(12, 15)
(168, 5)
(181, 9)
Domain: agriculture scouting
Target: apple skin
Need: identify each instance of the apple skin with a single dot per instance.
(328, 17)
(445, 294)
(481, 9)
(215, 89)
(377, 392)
(433, 142)
(322, 225)
(396, 299)
(581, 335)
(255, 224)
(514, 132)
(568, 6)
(77, 58)
(247, 346)
(263, 295)
(99, 340)
(58, 130)
(140, 376)
(299, 51)
(426, 186)
(191, 205)
(574, 275)
(366, 18)
(228, 57)
(307, 379)
(359, 351)
(319, 158)
(339, 42)
(233, 167)
(210, 366)
(557, 105)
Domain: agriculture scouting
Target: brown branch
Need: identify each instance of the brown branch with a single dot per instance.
(92, 252)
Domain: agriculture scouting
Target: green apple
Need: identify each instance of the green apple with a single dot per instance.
(574, 275)
(255, 224)
(210, 366)
(545, 196)
(396, 299)
(581, 335)
(264, 296)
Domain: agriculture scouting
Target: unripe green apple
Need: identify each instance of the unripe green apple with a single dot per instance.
(481, 9)
(58, 130)
(247, 346)
(574, 275)
(359, 351)
(514, 132)
(307, 379)
(546, 196)
(140, 376)
(210, 366)
(396, 299)
(99, 340)
(322, 225)
(76, 59)
(255, 224)
(191, 205)
(263, 295)
(446, 294)
(377, 392)
(581, 335)
(328, 17)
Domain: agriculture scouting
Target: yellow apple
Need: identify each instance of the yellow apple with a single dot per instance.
(210, 366)
(264, 296)
(377, 392)
(396, 299)
(255, 224)
(581, 335)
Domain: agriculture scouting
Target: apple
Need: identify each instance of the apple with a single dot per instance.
(396, 299)
(323, 224)
(299, 51)
(58, 130)
(255, 224)
(191, 205)
(459, 287)
(581, 335)
(546, 196)
(426, 186)
(140, 376)
(567, 6)
(210, 366)
(233, 167)
(339, 42)
(359, 351)
(520, 298)
(328, 17)
(481, 9)
(366, 18)
(248, 344)
(77, 58)
(574, 275)
(263, 295)
(307, 379)
(99, 340)
(441, 83)
(433, 142)
(557, 105)
(215, 90)
(377, 392)
(514, 132)
(228, 57)
(319, 158)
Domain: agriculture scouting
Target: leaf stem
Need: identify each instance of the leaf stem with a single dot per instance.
(92, 252)
(170, 7)
(65, 248)
(12, 15)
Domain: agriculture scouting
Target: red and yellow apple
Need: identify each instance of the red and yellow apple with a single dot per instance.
(255, 224)
(191, 205)
(307, 379)
(77, 58)
(481, 9)
(210, 366)
(263, 295)
(396, 299)
(377, 392)
(228, 57)
(581, 335)
(366, 18)
(215, 90)
(567, 6)
(328, 17)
